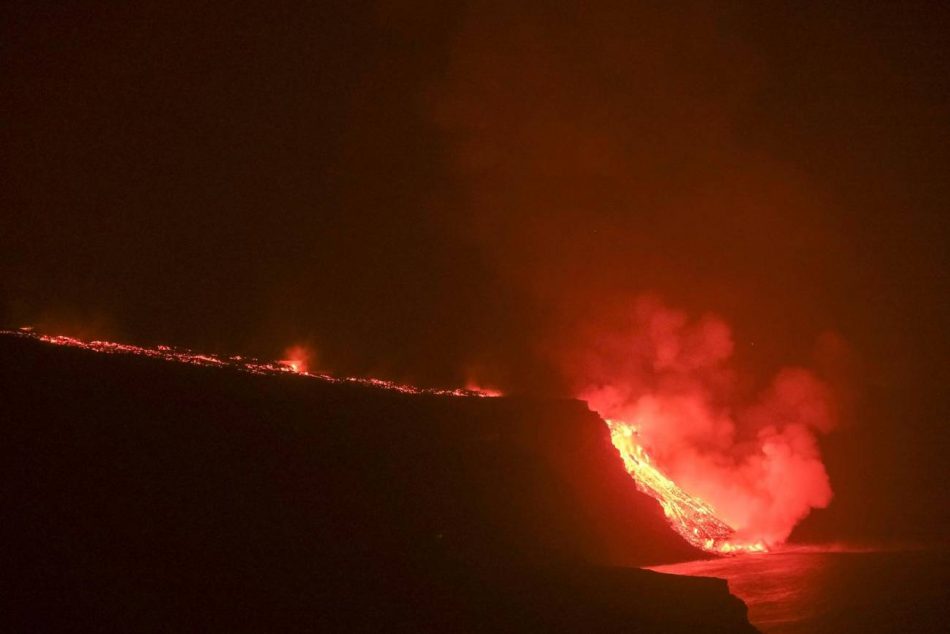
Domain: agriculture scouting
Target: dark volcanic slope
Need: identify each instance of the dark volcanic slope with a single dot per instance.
(144, 495)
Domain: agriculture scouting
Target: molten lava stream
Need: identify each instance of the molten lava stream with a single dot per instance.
(689, 516)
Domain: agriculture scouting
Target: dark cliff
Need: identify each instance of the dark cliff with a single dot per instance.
(141, 495)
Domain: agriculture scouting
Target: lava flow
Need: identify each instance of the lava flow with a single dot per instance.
(695, 520)
(691, 517)
(296, 365)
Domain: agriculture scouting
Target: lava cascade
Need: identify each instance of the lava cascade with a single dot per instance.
(694, 520)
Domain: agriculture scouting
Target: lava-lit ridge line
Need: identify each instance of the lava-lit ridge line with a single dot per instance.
(237, 362)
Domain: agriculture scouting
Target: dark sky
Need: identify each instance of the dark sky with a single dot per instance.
(436, 193)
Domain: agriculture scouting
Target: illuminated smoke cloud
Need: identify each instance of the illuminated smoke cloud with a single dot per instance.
(300, 358)
(595, 165)
(753, 457)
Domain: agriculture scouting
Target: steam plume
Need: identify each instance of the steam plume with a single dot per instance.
(754, 457)
(604, 154)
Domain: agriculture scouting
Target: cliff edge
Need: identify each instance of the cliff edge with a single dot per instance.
(143, 495)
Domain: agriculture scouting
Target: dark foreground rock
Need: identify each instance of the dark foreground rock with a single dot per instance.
(140, 495)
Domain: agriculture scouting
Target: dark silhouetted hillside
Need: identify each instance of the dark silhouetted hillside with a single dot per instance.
(141, 495)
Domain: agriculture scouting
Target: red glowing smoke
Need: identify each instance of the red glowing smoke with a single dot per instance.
(753, 456)
(299, 358)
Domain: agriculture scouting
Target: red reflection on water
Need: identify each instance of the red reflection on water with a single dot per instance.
(779, 589)
(835, 589)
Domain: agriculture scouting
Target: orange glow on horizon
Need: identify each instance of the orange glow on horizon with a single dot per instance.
(472, 386)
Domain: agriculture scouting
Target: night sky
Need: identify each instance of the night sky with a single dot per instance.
(440, 193)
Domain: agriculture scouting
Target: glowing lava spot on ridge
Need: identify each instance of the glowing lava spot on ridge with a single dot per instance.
(299, 358)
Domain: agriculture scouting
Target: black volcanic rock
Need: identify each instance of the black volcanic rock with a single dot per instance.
(142, 495)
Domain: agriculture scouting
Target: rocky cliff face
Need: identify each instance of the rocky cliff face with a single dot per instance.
(142, 495)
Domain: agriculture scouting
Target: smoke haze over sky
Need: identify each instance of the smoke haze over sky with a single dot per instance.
(486, 191)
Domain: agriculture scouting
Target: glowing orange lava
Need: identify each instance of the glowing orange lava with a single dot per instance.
(294, 365)
(298, 359)
(689, 516)
(472, 386)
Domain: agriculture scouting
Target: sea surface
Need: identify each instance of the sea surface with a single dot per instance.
(836, 590)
